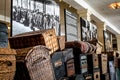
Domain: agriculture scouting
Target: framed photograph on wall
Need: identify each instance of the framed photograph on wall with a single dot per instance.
(108, 41)
(32, 15)
(88, 30)
(53, 15)
(71, 28)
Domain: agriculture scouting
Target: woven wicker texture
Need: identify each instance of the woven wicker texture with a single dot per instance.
(21, 53)
(7, 75)
(7, 64)
(39, 64)
(61, 42)
(30, 39)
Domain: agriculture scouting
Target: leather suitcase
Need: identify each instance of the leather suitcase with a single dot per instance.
(80, 61)
(88, 76)
(70, 67)
(117, 62)
(105, 76)
(95, 61)
(83, 63)
(96, 74)
(110, 55)
(29, 39)
(79, 77)
(68, 54)
(58, 65)
(92, 61)
(103, 63)
(75, 77)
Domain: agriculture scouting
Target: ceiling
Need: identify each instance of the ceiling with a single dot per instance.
(101, 7)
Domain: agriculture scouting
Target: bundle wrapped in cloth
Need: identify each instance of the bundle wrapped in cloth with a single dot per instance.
(85, 47)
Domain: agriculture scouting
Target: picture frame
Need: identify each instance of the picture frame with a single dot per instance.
(71, 29)
(33, 15)
(107, 41)
(88, 30)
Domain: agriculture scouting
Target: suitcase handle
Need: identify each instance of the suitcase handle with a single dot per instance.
(8, 63)
(40, 59)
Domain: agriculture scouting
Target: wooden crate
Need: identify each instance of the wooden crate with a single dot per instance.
(7, 64)
(30, 39)
(39, 64)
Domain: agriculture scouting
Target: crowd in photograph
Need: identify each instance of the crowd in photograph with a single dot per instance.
(34, 18)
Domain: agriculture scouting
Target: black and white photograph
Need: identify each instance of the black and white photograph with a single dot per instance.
(88, 30)
(71, 26)
(52, 16)
(32, 15)
(93, 32)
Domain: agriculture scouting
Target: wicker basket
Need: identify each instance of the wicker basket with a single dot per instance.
(21, 53)
(7, 64)
(31, 39)
(39, 64)
(7, 75)
(61, 42)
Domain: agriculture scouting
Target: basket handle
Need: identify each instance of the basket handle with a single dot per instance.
(50, 34)
(40, 59)
(8, 63)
